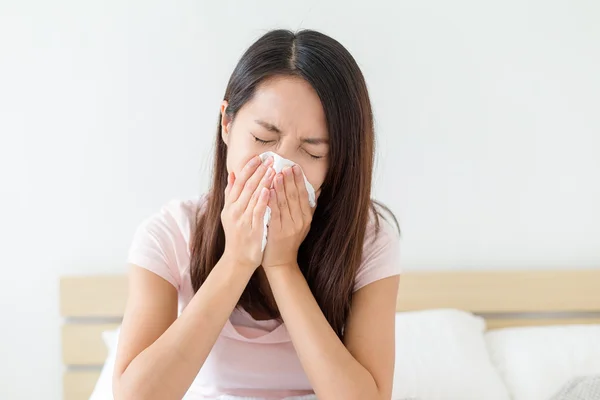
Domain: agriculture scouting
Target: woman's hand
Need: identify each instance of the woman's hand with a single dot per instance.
(246, 199)
(291, 216)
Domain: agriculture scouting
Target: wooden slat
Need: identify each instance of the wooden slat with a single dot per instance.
(505, 291)
(93, 296)
(83, 344)
(499, 323)
(78, 385)
(476, 291)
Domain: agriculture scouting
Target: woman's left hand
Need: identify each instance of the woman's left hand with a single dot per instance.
(291, 216)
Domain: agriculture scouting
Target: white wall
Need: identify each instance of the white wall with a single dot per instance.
(487, 114)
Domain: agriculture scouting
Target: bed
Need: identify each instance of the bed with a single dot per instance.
(91, 305)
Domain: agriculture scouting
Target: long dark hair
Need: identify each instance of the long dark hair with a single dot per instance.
(331, 253)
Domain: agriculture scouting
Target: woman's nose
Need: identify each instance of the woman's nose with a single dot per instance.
(287, 152)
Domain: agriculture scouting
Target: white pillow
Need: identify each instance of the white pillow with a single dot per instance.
(441, 355)
(103, 388)
(536, 362)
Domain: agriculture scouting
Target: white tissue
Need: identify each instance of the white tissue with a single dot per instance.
(280, 163)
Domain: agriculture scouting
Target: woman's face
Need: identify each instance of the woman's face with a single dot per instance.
(284, 116)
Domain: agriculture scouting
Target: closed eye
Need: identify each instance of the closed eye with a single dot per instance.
(313, 156)
(261, 141)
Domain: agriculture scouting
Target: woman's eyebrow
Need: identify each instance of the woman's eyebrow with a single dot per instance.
(268, 126)
(315, 140)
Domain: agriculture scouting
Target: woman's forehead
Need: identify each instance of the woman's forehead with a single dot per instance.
(287, 103)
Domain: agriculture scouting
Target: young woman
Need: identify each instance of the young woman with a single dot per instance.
(210, 314)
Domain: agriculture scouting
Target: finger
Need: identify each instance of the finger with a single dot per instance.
(275, 221)
(264, 184)
(267, 181)
(247, 215)
(230, 181)
(302, 192)
(258, 213)
(252, 184)
(241, 179)
(293, 198)
(282, 203)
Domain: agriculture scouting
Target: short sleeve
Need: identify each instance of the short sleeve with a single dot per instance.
(381, 255)
(157, 242)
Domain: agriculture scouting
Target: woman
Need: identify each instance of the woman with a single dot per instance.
(211, 314)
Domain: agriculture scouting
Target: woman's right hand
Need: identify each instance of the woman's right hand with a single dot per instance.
(246, 199)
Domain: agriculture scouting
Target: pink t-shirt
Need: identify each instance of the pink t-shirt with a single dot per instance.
(250, 358)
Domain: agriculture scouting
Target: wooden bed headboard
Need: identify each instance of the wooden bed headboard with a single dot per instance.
(93, 304)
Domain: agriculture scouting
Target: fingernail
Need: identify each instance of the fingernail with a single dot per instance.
(287, 171)
(270, 160)
(269, 172)
(255, 161)
(296, 170)
(279, 178)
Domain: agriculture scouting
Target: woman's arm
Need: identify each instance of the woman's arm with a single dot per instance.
(159, 354)
(363, 366)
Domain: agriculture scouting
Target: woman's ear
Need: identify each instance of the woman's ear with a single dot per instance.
(225, 122)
